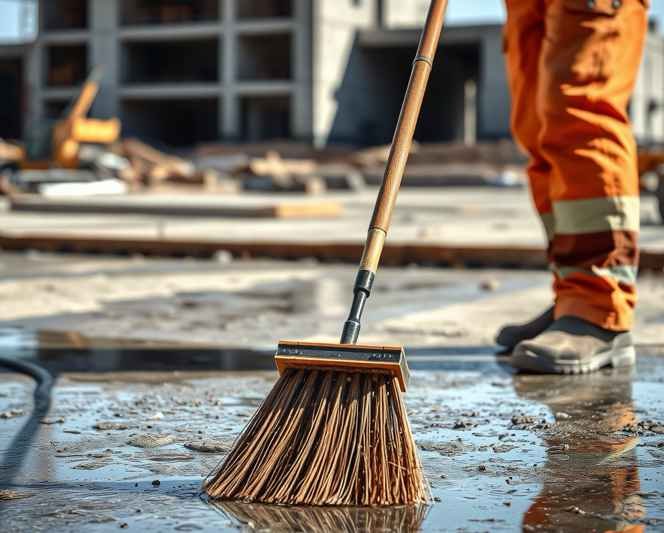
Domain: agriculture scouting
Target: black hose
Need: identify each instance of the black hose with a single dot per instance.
(20, 444)
(42, 377)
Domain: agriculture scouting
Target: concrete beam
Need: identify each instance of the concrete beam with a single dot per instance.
(171, 32)
(265, 27)
(409, 37)
(65, 37)
(264, 88)
(170, 90)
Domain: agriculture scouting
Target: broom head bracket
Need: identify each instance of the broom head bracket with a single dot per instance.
(364, 358)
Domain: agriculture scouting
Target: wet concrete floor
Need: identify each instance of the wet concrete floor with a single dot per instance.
(131, 430)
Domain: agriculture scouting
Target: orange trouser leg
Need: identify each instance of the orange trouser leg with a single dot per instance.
(588, 66)
(588, 61)
(524, 33)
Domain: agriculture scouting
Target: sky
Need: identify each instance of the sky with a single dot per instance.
(9, 19)
(459, 11)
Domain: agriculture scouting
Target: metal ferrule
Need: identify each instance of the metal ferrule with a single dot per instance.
(361, 292)
(423, 59)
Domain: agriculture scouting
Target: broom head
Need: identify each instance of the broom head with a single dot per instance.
(332, 432)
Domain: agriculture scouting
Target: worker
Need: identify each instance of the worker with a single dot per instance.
(572, 66)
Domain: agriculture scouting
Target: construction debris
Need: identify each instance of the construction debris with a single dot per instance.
(377, 155)
(274, 165)
(110, 426)
(207, 446)
(282, 175)
(265, 167)
(7, 494)
(11, 413)
(93, 188)
(149, 440)
(10, 152)
(155, 165)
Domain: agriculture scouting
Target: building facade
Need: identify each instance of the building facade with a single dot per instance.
(182, 72)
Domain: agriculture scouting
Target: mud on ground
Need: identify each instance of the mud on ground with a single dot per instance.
(137, 420)
(500, 451)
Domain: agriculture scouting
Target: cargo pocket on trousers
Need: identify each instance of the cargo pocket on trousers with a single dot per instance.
(599, 7)
(594, 33)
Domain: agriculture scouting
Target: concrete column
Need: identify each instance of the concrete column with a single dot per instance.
(103, 51)
(302, 98)
(34, 74)
(646, 104)
(380, 14)
(229, 120)
(470, 112)
(493, 94)
(34, 82)
(339, 77)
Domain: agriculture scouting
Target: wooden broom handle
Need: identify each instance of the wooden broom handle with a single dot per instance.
(403, 136)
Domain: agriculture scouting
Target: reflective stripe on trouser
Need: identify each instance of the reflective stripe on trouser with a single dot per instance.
(572, 66)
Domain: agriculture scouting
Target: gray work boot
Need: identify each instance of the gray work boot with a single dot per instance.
(509, 336)
(573, 346)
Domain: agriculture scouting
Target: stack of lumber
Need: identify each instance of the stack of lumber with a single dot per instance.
(498, 163)
(499, 153)
(155, 169)
(276, 174)
(284, 166)
(376, 155)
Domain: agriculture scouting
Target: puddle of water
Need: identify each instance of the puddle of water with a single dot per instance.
(501, 451)
(71, 352)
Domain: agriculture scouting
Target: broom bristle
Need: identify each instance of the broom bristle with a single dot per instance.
(325, 437)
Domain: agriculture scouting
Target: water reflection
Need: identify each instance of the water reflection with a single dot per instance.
(61, 352)
(591, 475)
(346, 519)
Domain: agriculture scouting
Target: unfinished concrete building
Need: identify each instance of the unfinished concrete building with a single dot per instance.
(183, 72)
(13, 104)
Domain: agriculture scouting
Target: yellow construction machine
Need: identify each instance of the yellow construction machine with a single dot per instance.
(57, 144)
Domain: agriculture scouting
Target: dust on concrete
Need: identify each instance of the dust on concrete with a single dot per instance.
(249, 304)
(514, 462)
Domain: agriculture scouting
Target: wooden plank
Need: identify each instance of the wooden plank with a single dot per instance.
(169, 206)
(395, 254)
(307, 210)
(159, 165)
(273, 165)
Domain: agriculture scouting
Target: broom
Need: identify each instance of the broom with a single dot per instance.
(334, 430)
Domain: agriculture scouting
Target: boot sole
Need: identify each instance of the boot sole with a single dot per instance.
(532, 362)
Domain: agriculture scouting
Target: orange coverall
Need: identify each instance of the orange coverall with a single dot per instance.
(572, 66)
